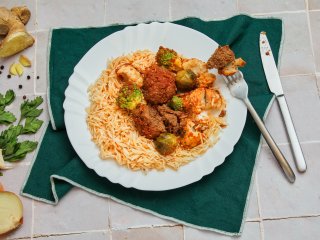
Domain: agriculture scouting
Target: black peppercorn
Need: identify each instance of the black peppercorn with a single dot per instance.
(24, 97)
(9, 76)
(28, 77)
(20, 86)
(2, 67)
(38, 77)
(0, 72)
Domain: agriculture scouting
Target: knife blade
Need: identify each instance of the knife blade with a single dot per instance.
(274, 83)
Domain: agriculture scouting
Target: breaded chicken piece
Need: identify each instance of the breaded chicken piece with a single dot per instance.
(194, 101)
(206, 79)
(202, 99)
(224, 60)
(191, 137)
(130, 75)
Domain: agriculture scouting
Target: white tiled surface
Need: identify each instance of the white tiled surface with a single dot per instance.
(276, 210)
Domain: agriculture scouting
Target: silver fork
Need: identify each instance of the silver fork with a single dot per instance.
(239, 89)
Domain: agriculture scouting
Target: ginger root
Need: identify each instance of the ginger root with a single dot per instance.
(12, 25)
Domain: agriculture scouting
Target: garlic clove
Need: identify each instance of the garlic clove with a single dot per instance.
(20, 69)
(13, 69)
(25, 61)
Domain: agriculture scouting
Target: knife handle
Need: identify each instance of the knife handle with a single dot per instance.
(273, 146)
(296, 148)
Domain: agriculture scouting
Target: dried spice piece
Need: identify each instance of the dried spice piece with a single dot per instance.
(28, 77)
(20, 86)
(38, 77)
(8, 76)
(2, 67)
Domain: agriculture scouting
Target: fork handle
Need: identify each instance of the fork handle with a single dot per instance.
(273, 146)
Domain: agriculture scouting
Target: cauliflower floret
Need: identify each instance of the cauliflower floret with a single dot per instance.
(130, 75)
(196, 65)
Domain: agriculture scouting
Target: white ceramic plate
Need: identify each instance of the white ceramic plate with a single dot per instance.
(185, 41)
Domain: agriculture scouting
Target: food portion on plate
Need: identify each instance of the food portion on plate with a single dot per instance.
(158, 110)
(224, 60)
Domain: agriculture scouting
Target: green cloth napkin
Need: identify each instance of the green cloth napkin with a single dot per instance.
(218, 201)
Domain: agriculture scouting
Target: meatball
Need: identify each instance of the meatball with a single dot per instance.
(159, 85)
(147, 121)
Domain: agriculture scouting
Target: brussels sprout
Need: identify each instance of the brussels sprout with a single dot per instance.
(129, 97)
(186, 80)
(176, 103)
(166, 143)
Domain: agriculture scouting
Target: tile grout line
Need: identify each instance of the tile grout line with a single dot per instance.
(35, 51)
(105, 13)
(68, 233)
(32, 220)
(259, 206)
(170, 11)
(298, 75)
(109, 219)
(35, 66)
(252, 220)
(279, 12)
(291, 217)
(314, 10)
(34, 91)
(237, 5)
(310, 35)
(174, 224)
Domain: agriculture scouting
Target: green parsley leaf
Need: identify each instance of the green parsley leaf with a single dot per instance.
(28, 106)
(9, 97)
(6, 117)
(22, 149)
(13, 150)
(10, 135)
(10, 147)
(32, 125)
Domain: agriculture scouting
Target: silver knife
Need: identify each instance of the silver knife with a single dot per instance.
(273, 79)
